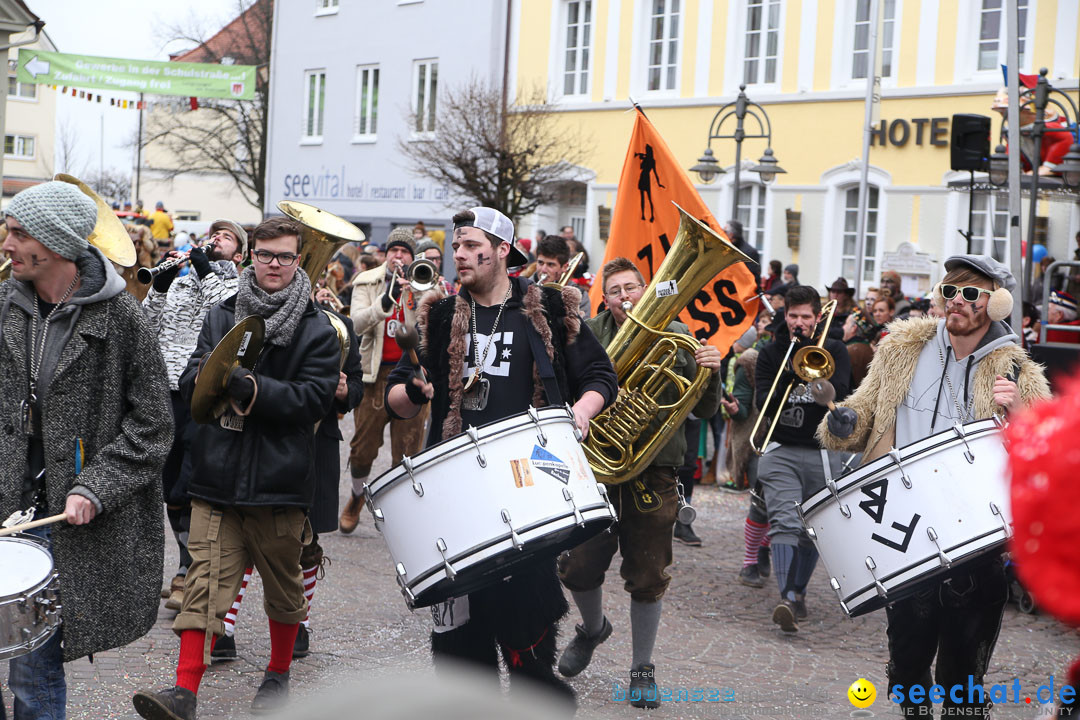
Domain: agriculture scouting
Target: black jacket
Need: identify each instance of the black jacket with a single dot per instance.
(354, 379)
(800, 415)
(272, 461)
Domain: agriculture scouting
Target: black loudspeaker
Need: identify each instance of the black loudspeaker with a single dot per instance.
(970, 145)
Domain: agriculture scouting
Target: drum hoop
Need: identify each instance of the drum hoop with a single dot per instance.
(461, 442)
(439, 568)
(866, 472)
(40, 545)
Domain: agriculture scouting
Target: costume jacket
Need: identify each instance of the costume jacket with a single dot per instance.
(271, 460)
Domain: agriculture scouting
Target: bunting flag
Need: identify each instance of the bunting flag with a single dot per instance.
(644, 224)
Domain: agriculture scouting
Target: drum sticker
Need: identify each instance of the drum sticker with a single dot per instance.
(522, 472)
(545, 462)
(577, 461)
(667, 288)
(450, 614)
(244, 342)
(908, 531)
(231, 421)
(874, 506)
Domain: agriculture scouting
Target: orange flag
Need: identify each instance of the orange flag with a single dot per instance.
(644, 224)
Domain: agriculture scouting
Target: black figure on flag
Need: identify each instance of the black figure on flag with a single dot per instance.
(648, 166)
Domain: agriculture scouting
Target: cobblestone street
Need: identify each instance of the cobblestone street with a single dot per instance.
(715, 633)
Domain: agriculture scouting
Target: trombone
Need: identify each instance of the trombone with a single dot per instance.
(812, 362)
(542, 278)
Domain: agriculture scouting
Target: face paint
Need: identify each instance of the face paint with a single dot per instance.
(482, 259)
(35, 260)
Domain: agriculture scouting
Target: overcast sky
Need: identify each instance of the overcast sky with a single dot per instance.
(133, 29)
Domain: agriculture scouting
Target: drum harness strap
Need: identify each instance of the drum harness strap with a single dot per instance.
(515, 655)
(543, 365)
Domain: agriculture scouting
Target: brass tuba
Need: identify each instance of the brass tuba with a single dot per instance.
(624, 439)
(324, 233)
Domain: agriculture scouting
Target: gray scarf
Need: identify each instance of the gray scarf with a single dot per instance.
(281, 310)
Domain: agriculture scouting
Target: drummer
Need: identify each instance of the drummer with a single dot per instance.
(86, 428)
(477, 352)
(927, 375)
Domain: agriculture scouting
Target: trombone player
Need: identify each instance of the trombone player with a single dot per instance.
(794, 466)
(646, 506)
(382, 301)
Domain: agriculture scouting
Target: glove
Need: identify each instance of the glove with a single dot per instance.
(842, 422)
(387, 302)
(239, 387)
(165, 279)
(200, 263)
(415, 394)
(392, 294)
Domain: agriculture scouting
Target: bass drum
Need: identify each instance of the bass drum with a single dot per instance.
(911, 516)
(460, 515)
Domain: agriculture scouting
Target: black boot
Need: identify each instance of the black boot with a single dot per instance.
(272, 694)
(176, 703)
(764, 564)
(685, 534)
(579, 651)
(224, 648)
(302, 646)
(643, 692)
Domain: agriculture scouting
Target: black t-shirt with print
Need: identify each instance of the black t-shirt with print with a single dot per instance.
(508, 366)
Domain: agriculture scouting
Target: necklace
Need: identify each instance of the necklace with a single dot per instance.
(37, 351)
(961, 413)
(478, 359)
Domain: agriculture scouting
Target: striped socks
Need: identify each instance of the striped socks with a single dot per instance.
(230, 617)
(755, 535)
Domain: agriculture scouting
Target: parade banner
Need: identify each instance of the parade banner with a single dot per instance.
(643, 227)
(203, 80)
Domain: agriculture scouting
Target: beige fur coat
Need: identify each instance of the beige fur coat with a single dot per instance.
(890, 375)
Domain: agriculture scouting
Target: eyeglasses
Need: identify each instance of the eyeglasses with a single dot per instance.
(970, 293)
(628, 289)
(266, 257)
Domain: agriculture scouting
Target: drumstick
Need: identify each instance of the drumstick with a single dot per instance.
(33, 524)
(407, 340)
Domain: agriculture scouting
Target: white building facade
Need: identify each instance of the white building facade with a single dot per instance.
(349, 81)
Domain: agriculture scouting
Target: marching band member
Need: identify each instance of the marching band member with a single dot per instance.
(253, 470)
(477, 352)
(175, 307)
(382, 301)
(793, 466)
(646, 506)
(927, 375)
(85, 431)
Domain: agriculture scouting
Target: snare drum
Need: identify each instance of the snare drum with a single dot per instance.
(29, 609)
(458, 516)
(911, 515)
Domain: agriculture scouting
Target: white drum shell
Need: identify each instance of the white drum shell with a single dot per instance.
(454, 525)
(962, 504)
(29, 610)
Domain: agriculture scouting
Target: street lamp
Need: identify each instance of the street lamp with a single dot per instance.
(1070, 166)
(999, 166)
(768, 167)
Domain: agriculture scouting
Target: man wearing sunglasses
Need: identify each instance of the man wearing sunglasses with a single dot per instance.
(927, 375)
(253, 470)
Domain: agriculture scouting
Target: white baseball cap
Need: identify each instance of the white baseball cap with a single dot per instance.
(494, 222)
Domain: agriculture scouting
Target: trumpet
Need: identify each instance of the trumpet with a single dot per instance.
(146, 275)
(810, 363)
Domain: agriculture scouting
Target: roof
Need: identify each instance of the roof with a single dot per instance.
(14, 185)
(244, 39)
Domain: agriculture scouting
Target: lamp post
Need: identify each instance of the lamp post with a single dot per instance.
(768, 167)
(1044, 95)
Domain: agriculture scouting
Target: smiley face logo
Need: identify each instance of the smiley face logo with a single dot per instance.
(862, 693)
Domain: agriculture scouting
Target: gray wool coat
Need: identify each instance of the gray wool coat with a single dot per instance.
(108, 388)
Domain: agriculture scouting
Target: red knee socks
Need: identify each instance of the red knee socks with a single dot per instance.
(190, 667)
(282, 639)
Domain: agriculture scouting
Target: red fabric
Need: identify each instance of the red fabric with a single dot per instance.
(1063, 336)
(190, 668)
(1044, 459)
(282, 639)
(391, 353)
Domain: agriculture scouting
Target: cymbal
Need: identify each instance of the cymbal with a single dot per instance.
(239, 348)
(108, 235)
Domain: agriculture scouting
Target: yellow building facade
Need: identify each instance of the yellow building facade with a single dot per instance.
(804, 61)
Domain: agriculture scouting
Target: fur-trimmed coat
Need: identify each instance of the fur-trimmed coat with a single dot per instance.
(743, 423)
(890, 376)
(578, 359)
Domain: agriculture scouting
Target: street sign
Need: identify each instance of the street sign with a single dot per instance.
(153, 77)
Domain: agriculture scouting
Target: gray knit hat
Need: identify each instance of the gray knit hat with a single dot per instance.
(748, 338)
(426, 245)
(56, 214)
(401, 237)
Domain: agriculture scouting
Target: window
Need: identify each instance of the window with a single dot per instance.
(19, 146)
(860, 62)
(425, 92)
(367, 102)
(314, 103)
(989, 223)
(762, 41)
(992, 33)
(578, 47)
(664, 45)
(17, 89)
(326, 7)
(751, 213)
(851, 232)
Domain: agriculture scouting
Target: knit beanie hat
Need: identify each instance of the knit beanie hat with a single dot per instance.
(401, 237)
(793, 269)
(426, 245)
(748, 338)
(56, 214)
